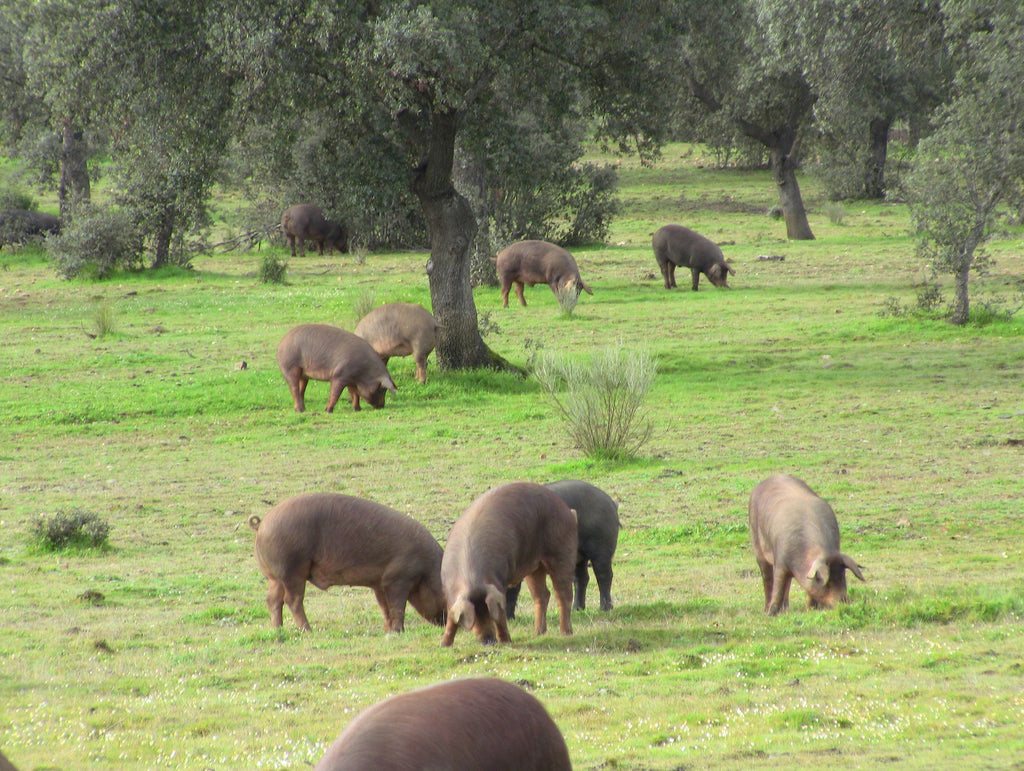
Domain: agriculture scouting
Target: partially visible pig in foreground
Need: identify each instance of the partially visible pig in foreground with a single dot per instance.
(483, 724)
(795, 535)
(675, 245)
(339, 540)
(17, 225)
(400, 329)
(512, 532)
(597, 516)
(304, 222)
(526, 263)
(322, 352)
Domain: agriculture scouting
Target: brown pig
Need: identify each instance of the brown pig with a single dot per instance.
(526, 263)
(305, 221)
(795, 535)
(339, 540)
(322, 352)
(480, 723)
(513, 532)
(675, 245)
(400, 329)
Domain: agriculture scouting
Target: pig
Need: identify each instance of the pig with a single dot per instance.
(598, 526)
(340, 540)
(16, 225)
(795, 535)
(305, 221)
(400, 329)
(511, 532)
(479, 723)
(526, 263)
(322, 352)
(675, 245)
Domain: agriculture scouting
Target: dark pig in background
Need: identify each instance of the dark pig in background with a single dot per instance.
(795, 535)
(475, 724)
(526, 263)
(675, 245)
(322, 352)
(305, 222)
(340, 540)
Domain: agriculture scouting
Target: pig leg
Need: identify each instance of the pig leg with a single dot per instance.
(294, 591)
(537, 584)
(297, 385)
(506, 284)
(451, 627)
(603, 574)
(695, 272)
(519, 292)
(421, 367)
(336, 388)
(511, 598)
(767, 578)
(668, 270)
(562, 585)
(275, 601)
(353, 394)
(392, 603)
(579, 601)
(780, 592)
(291, 240)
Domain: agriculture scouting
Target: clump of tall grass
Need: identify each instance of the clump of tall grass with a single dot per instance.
(364, 302)
(272, 270)
(69, 529)
(104, 321)
(835, 212)
(600, 398)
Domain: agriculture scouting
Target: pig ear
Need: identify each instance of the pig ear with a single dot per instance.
(575, 514)
(852, 566)
(389, 384)
(495, 602)
(462, 612)
(728, 267)
(818, 573)
(586, 288)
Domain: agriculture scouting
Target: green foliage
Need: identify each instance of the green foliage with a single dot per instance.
(364, 302)
(104, 320)
(70, 529)
(600, 398)
(97, 242)
(835, 212)
(17, 199)
(272, 269)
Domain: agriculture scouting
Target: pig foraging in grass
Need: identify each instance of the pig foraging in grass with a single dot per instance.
(304, 222)
(597, 517)
(480, 723)
(675, 245)
(400, 329)
(339, 540)
(322, 352)
(512, 532)
(795, 535)
(526, 263)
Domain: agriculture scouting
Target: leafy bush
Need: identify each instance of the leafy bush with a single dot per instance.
(96, 243)
(272, 270)
(16, 199)
(70, 529)
(835, 212)
(600, 398)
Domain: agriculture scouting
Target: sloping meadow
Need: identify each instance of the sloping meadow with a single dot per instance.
(129, 399)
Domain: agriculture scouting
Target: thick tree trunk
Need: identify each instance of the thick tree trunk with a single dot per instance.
(162, 247)
(471, 181)
(792, 203)
(74, 185)
(961, 298)
(878, 150)
(452, 228)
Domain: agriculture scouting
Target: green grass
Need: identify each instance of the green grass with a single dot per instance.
(910, 427)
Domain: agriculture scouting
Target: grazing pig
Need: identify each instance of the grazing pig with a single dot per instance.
(305, 221)
(675, 245)
(526, 263)
(515, 531)
(340, 540)
(16, 225)
(481, 723)
(322, 352)
(598, 525)
(795, 535)
(400, 329)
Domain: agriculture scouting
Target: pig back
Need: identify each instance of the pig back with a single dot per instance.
(787, 515)
(320, 350)
(352, 538)
(596, 512)
(397, 329)
(451, 727)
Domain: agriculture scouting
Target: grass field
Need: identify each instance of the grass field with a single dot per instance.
(157, 652)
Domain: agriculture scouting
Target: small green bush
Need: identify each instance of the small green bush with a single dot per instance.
(835, 212)
(96, 243)
(16, 199)
(600, 398)
(104, 320)
(272, 270)
(364, 302)
(69, 529)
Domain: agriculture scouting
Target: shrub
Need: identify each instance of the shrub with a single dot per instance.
(364, 302)
(70, 529)
(104, 321)
(272, 270)
(96, 243)
(600, 399)
(16, 199)
(835, 212)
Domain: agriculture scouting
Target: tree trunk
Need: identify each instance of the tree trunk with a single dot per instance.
(878, 150)
(163, 240)
(961, 299)
(471, 181)
(792, 203)
(452, 228)
(74, 185)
